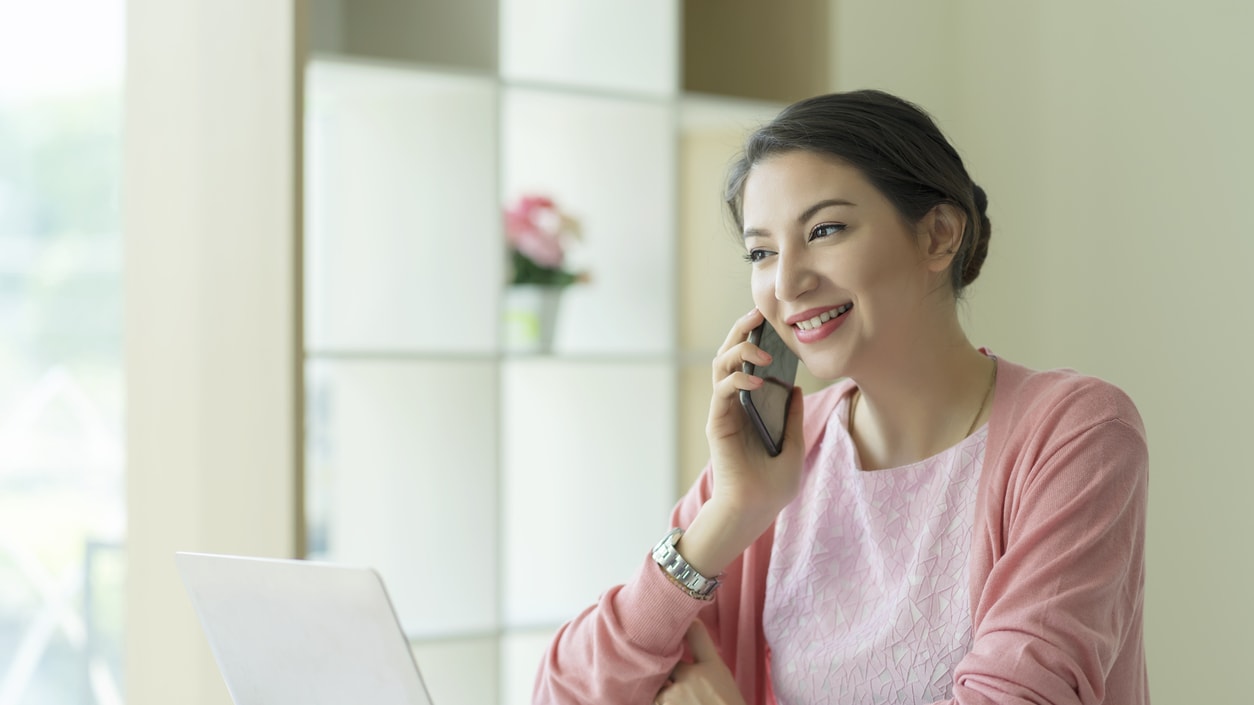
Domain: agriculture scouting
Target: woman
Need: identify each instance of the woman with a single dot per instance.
(941, 526)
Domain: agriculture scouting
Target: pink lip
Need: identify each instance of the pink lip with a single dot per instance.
(814, 335)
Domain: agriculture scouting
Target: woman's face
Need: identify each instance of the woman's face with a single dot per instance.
(834, 268)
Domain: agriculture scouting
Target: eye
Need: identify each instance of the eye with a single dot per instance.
(756, 255)
(826, 230)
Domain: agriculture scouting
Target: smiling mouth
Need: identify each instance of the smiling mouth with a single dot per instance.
(822, 318)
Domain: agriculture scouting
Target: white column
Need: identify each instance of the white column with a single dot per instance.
(211, 212)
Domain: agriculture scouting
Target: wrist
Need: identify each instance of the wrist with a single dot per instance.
(737, 518)
(666, 554)
(719, 534)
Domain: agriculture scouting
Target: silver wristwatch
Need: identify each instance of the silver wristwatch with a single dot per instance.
(666, 555)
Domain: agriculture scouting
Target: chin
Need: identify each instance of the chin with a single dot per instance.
(825, 369)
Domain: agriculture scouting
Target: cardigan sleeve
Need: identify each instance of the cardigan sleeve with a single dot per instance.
(621, 650)
(1062, 601)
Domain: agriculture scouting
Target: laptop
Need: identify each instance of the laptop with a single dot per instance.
(290, 631)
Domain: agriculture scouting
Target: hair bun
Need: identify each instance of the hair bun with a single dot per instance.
(979, 249)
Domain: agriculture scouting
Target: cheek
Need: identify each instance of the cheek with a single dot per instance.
(886, 272)
(762, 287)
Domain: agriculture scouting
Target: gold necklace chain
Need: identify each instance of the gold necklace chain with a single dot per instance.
(992, 384)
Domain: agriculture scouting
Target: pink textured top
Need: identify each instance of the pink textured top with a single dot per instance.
(867, 592)
(1056, 568)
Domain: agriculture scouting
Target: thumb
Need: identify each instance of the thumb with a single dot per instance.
(701, 643)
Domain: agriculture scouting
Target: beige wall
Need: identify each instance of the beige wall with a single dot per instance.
(1114, 140)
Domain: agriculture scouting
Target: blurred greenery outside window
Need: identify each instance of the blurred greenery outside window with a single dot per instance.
(62, 493)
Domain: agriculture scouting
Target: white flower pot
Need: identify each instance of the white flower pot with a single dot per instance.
(529, 317)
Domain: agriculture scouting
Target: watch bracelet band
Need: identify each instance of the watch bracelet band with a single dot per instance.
(677, 569)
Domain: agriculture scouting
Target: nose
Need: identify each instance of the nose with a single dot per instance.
(794, 275)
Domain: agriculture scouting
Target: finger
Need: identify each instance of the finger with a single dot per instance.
(731, 385)
(702, 645)
(740, 329)
(737, 355)
(738, 381)
(680, 673)
(726, 404)
(732, 361)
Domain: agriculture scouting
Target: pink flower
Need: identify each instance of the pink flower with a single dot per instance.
(535, 227)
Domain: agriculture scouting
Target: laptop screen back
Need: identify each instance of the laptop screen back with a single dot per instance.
(287, 631)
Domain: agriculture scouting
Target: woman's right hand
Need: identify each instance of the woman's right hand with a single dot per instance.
(746, 478)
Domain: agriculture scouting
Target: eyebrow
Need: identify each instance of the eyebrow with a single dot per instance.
(805, 215)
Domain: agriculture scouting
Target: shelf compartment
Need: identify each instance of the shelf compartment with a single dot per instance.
(402, 478)
(631, 47)
(403, 237)
(609, 163)
(588, 455)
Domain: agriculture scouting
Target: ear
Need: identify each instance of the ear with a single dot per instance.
(940, 234)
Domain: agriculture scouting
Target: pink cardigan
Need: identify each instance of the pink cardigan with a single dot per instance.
(1057, 568)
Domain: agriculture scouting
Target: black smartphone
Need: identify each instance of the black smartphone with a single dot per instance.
(767, 406)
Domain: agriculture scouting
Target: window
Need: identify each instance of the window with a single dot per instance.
(62, 496)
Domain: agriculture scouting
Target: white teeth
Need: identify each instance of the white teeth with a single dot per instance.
(823, 317)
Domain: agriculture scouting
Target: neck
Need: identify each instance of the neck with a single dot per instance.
(920, 404)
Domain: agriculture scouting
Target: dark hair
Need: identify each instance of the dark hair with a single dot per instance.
(895, 144)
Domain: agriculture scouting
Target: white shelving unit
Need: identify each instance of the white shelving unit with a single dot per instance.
(499, 495)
